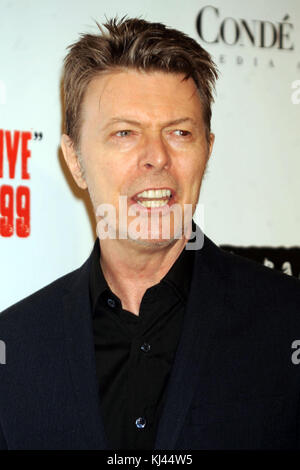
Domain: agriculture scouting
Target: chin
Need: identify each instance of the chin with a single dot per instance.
(155, 238)
(148, 243)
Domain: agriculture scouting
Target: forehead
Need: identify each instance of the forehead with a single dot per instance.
(142, 95)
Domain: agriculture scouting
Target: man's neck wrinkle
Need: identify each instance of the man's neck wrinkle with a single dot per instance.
(146, 270)
(130, 282)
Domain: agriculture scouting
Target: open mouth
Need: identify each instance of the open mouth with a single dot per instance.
(151, 198)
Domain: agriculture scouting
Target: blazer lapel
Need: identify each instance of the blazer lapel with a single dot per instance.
(204, 306)
(81, 356)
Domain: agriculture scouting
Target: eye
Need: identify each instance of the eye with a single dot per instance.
(124, 133)
(182, 133)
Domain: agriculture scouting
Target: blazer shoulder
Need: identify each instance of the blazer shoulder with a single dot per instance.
(246, 273)
(40, 303)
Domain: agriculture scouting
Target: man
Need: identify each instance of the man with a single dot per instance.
(149, 345)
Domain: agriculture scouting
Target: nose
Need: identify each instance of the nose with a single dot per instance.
(155, 153)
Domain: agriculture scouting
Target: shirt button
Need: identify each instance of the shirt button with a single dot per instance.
(140, 422)
(146, 347)
(111, 303)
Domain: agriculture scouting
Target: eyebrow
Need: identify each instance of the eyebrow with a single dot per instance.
(118, 119)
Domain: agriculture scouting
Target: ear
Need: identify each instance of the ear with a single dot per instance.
(72, 160)
(211, 144)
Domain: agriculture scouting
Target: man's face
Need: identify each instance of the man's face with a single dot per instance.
(143, 131)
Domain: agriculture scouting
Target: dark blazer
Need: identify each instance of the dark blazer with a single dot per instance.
(233, 383)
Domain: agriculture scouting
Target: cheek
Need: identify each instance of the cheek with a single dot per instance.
(98, 167)
(193, 170)
(107, 180)
(193, 181)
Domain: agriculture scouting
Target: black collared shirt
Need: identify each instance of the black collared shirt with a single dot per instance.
(134, 354)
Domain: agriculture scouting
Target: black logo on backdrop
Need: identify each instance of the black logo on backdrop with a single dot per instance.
(233, 31)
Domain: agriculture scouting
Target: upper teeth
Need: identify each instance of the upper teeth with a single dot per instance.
(155, 193)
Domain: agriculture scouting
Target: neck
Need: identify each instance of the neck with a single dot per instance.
(131, 268)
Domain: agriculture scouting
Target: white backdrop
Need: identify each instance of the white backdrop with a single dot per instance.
(251, 191)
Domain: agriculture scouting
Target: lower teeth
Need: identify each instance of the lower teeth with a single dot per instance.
(159, 203)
